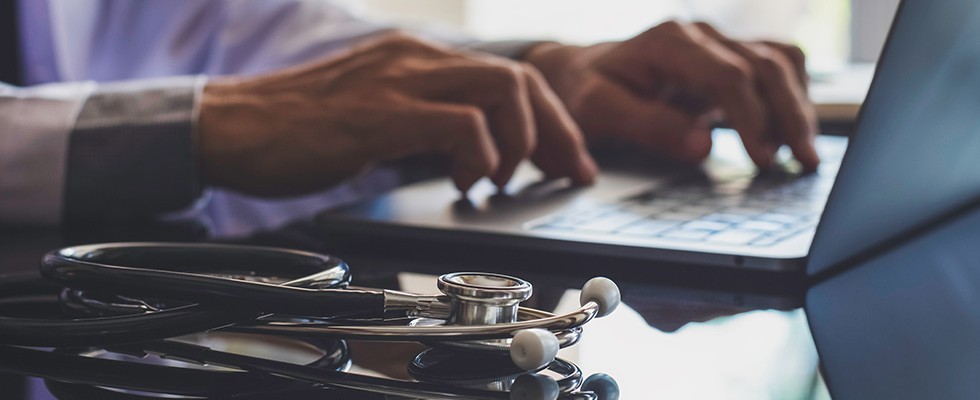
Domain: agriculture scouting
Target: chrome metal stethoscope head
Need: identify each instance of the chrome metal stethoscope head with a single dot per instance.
(489, 299)
(480, 298)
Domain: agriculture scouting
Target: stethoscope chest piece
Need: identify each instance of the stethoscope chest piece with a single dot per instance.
(483, 298)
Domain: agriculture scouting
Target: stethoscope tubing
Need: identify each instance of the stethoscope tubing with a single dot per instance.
(98, 331)
(73, 368)
(212, 299)
(570, 322)
(80, 273)
(340, 379)
(231, 300)
(209, 299)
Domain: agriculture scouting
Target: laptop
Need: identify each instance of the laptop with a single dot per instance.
(911, 162)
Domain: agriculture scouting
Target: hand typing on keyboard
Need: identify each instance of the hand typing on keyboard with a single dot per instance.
(665, 88)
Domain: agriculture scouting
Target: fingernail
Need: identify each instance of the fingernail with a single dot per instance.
(587, 170)
(697, 146)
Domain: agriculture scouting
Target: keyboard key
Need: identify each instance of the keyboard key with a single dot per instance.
(608, 222)
(647, 227)
(645, 209)
(685, 234)
(734, 237)
(674, 215)
(705, 225)
(721, 201)
(745, 211)
(563, 223)
(694, 209)
(763, 226)
(725, 217)
(586, 211)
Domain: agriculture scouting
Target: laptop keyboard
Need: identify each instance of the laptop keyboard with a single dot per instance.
(734, 213)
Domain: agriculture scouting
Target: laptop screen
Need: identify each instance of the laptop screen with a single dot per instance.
(915, 156)
(904, 325)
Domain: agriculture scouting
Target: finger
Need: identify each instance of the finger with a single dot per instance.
(470, 146)
(655, 125)
(787, 102)
(795, 117)
(561, 150)
(512, 123)
(684, 54)
(497, 87)
(796, 56)
(458, 131)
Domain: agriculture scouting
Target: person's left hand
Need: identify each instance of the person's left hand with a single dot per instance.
(665, 88)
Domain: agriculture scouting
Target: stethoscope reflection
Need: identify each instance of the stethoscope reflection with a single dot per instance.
(229, 365)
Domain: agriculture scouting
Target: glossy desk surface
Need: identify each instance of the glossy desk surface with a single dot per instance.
(663, 342)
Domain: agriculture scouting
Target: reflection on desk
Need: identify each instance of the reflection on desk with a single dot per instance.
(751, 354)
(664, 342)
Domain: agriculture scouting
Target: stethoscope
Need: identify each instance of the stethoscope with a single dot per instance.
(82, 373)
(139, 292)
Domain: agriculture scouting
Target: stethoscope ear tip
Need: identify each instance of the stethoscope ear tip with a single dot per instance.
(534, 387)
(533, 349)
(604, 292)
(602, 385)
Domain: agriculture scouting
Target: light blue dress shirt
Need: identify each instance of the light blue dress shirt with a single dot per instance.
(112, 75)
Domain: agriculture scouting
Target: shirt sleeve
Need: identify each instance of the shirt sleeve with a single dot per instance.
(34, 127)
(111, 152)
(131, 153)
(123, 151)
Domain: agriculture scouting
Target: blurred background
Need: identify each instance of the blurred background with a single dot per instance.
(834, 33)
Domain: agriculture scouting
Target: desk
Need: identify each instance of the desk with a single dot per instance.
(838, 96)
(664, 342)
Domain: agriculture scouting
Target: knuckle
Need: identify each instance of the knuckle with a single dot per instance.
(470, 121)
(398, 41)
(771, 65)
(671, 26)
(531, 72)
(508, 77)
(396, 38)
(796, 54)
(733, 73)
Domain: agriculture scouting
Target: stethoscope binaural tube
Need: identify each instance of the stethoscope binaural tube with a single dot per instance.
(208, 286)
(128, 267)
(188, 272)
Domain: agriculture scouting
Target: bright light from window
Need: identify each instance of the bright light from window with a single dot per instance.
(820, 27)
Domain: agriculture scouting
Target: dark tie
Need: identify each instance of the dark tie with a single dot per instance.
(10, 64)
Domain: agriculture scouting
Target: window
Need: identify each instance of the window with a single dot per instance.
(823, 28)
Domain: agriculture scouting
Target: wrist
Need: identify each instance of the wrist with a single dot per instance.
(211, 130)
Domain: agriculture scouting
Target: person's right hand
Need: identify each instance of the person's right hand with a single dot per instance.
(302, 129)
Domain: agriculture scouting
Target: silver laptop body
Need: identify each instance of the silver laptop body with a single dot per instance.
(912, 162)
(722, 214)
